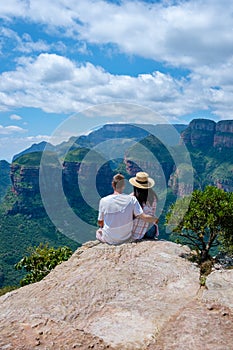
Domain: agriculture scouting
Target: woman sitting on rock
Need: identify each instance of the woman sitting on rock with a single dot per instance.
(147, 198)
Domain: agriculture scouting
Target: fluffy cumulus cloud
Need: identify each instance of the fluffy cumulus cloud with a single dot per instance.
(56, 84)
(182, 34)
(186, 33)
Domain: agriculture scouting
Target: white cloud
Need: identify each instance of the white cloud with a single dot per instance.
(27, 45)
(11, 129)
(15, 117)
(24, 44)
(188, 34)
(56, 84)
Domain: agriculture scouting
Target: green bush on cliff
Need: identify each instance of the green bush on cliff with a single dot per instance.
(41, 261)
(208, 222)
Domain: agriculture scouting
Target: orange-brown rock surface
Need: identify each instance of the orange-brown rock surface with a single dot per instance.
(143, 295)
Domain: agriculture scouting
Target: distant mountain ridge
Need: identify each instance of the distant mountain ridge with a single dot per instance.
(209, 145)
(110, 131)
(36, 147)
(199, 132)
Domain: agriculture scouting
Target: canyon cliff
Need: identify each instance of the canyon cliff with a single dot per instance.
(143, 296)
(207, 133)
(209, 145)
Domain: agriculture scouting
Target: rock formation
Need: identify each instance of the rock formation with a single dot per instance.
(200, 133)
(224, 134)
(150, 155)
(143, 295)
(204, 133)
(25, 179)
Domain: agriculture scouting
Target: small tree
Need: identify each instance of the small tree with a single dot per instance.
(41, 261)
(207, 222)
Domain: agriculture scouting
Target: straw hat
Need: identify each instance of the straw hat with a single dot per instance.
(142, 180)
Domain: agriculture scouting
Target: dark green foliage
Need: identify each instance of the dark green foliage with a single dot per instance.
(207, 222)
(211, 166)
(77, 155)
(41, 261)
(33, 159)
(17, 233)
(7, 289)
(4, 177)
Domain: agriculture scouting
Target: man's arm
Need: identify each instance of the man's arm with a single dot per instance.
(148, 218)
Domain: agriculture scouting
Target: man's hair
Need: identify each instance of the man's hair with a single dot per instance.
(118, 181)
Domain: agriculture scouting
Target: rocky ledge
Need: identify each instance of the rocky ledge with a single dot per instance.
(143, 295)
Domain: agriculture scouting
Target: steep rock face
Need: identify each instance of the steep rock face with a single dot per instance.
(224, 134)
(181, 182)
(206, 133)
(25, 186)
(142, 295)
(200, 133)
(25, 179)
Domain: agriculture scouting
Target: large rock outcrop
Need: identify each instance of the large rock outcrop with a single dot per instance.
(224, 134)
(25, 179)
(143, 295)
(199, 133)
(205, 133)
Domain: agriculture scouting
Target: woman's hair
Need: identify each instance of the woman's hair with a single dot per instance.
(144, 194)
(118, 181)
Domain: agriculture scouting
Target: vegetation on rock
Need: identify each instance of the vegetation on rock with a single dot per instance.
(207, 222)
(41, 261)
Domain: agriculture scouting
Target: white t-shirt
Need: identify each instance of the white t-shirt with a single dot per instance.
(117, 211)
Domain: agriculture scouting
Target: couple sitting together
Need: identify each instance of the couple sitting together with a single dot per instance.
(126, 217)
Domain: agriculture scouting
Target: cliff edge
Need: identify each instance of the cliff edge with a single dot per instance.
(142, 295)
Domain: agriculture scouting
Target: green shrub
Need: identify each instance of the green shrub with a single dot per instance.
(207, 223)
(41, 261)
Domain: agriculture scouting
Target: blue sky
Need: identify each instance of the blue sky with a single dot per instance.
(59, 58)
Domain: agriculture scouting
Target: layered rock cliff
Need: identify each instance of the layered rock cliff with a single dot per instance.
(199, 133)
(25, 178)
(209, 146)
(224, 134)
(77, 170)
(206, 133)
(142, 295)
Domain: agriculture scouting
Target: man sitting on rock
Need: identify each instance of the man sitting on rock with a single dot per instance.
(116, 212)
